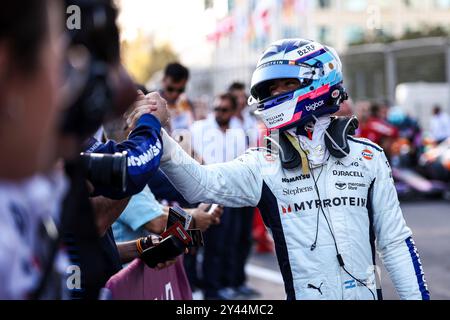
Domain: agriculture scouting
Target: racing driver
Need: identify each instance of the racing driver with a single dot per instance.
(327, 197)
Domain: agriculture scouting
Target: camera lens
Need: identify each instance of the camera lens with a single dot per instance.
(106, 170)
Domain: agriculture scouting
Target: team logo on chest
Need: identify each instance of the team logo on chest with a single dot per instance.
(340, 185)
(367, 154)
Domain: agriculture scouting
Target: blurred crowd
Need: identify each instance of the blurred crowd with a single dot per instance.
(80, 187)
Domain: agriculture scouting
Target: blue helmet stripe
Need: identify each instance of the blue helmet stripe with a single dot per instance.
(310, 56)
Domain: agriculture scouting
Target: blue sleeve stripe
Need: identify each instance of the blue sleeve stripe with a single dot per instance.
(418, 268)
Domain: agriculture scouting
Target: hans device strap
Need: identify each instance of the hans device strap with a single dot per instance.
(338, 130)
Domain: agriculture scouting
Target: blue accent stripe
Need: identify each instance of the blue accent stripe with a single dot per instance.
(349, 281)
(268, 206)
(350, 284)
(418, 268)
(372, 236)
(365, 143)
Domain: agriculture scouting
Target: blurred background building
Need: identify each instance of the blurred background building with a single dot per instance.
(382, 43)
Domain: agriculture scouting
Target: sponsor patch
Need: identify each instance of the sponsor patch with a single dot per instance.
(340, 185)
(354, 163)
(297, 178)
(293, 192)
(355, 185)
(347, 173)
(275, 119)
(305, 50)
(335, 94)
(314, 106)
(324, 203)
(367, 154)
(287, 209)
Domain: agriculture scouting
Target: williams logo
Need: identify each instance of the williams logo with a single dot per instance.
(340, 185)
(347, 173)
(367, 154)
(275, 119)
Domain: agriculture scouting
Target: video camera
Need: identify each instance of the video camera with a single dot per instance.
(176, 239)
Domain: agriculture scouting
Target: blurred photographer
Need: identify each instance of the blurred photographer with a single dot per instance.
(97, 88)
(143, 213)
(31, 52)
(143, 148)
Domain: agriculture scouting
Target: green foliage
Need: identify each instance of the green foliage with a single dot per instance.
(142, 58)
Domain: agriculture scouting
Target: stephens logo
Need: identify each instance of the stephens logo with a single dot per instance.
(315, 105)
(340, 185)
(367, 154)
(293, 192)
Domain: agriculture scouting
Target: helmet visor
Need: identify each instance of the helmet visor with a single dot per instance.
(264, 76)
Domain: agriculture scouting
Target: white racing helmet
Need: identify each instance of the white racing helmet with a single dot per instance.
(319, 71)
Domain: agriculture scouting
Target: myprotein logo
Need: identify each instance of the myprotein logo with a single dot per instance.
(296, 178)
(287, 209)
(324, 203)
(340, 173)
(315, 105)
(293, 192)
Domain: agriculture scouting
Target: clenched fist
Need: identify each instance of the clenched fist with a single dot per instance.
(151, 103)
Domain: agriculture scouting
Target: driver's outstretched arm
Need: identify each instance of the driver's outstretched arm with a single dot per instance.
(236, 183)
